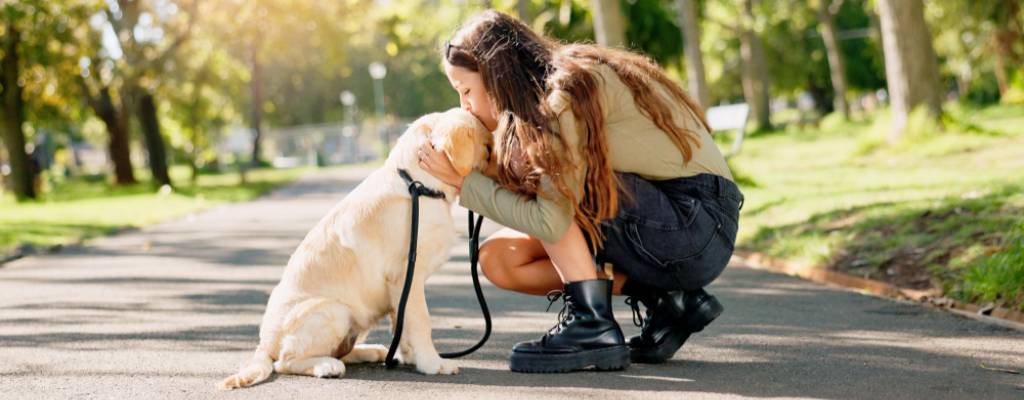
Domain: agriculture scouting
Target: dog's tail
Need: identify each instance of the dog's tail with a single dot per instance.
(257, 370)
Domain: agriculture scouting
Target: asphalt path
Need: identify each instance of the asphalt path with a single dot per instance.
(168, 311)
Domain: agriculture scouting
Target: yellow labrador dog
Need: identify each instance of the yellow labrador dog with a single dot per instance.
(349, 270)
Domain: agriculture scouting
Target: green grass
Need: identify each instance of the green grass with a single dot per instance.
(938, 209)
(82, 208)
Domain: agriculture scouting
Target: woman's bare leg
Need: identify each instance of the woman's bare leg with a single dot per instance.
(571, 257)
(516, 261)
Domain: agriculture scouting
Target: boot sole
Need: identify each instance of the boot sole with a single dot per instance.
(707, 312)
(604, 359)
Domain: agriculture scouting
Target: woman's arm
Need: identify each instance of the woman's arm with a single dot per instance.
(544, 218)
(547, 219)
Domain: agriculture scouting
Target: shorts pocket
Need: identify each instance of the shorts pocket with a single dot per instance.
(663, 243)
(701, 270)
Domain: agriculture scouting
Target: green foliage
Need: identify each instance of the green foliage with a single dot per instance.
(965, 36)
(865, 66)
(567, 20)
(311, 51)
(922, 215)
(50, 32)
(921, 124)
(960, 127)
(999, 277)
(85, 207)
(1015, 95)
(653, 30)
(300, 47)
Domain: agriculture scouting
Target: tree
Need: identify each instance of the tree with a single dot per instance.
(911, 67)
(609, 26)
(139, 28)
(755, 71)
(98, 84)
(13, 108)
(296, 54)
(742, 24)
(256, 97)
(200, 93)
(1008, 33)
(119, 82)
(100, 97)
(827, 11)
(695, 75)
(35, 70)
(980, 44)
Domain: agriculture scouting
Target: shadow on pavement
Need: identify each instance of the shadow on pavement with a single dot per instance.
(178, 290)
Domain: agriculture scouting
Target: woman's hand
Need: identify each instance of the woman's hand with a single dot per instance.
(436, 163)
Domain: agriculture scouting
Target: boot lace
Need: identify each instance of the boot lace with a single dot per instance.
(642, 310)
(565, 315)
(638, 315)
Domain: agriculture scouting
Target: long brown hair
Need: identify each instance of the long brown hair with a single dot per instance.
(521, 68)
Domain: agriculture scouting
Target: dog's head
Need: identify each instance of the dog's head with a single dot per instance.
(462, 137)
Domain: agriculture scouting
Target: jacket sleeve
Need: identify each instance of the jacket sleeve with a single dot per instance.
(546, 219)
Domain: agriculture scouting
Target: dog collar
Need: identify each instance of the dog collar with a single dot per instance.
(418, 186)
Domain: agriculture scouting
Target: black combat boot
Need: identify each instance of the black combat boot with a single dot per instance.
(586, 334)
(671, 317)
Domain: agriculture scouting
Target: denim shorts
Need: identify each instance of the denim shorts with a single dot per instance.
(672, 234)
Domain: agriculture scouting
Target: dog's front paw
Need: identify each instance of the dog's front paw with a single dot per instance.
(405, 356)
(438, 366)
(329, 368)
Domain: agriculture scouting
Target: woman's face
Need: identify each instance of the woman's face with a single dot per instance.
(472, 96)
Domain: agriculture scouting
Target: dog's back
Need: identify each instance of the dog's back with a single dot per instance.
(348, 265)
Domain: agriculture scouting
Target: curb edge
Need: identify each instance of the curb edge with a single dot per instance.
(990, 314)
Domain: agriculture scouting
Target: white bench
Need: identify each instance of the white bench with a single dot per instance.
(730, 117)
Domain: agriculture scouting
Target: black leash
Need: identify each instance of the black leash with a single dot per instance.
(417, 189)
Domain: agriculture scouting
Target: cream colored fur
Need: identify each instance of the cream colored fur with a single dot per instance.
(349, 270)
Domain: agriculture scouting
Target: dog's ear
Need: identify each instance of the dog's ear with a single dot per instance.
(460, 147)
(489, 161)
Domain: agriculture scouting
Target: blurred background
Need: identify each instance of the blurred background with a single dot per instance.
(877, 137)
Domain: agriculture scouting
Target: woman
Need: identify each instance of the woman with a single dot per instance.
(601, 158)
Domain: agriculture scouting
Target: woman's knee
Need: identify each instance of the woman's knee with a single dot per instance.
(494, 264)
(504, 253)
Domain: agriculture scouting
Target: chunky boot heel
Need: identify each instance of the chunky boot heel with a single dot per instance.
(614, 360)
(671, 318)
(704, 313)
(586, 334)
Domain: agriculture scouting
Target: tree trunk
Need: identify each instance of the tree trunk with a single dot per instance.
(13, 115)
(999, 68)
(695, 76)
(836, 63)
(154, 140)
(117, 128)
(194, 154)
(820, 96)
(194, 124)
(755, 72)
(256, 110)
(609, 25)
(1005, 36)
(911, 67)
